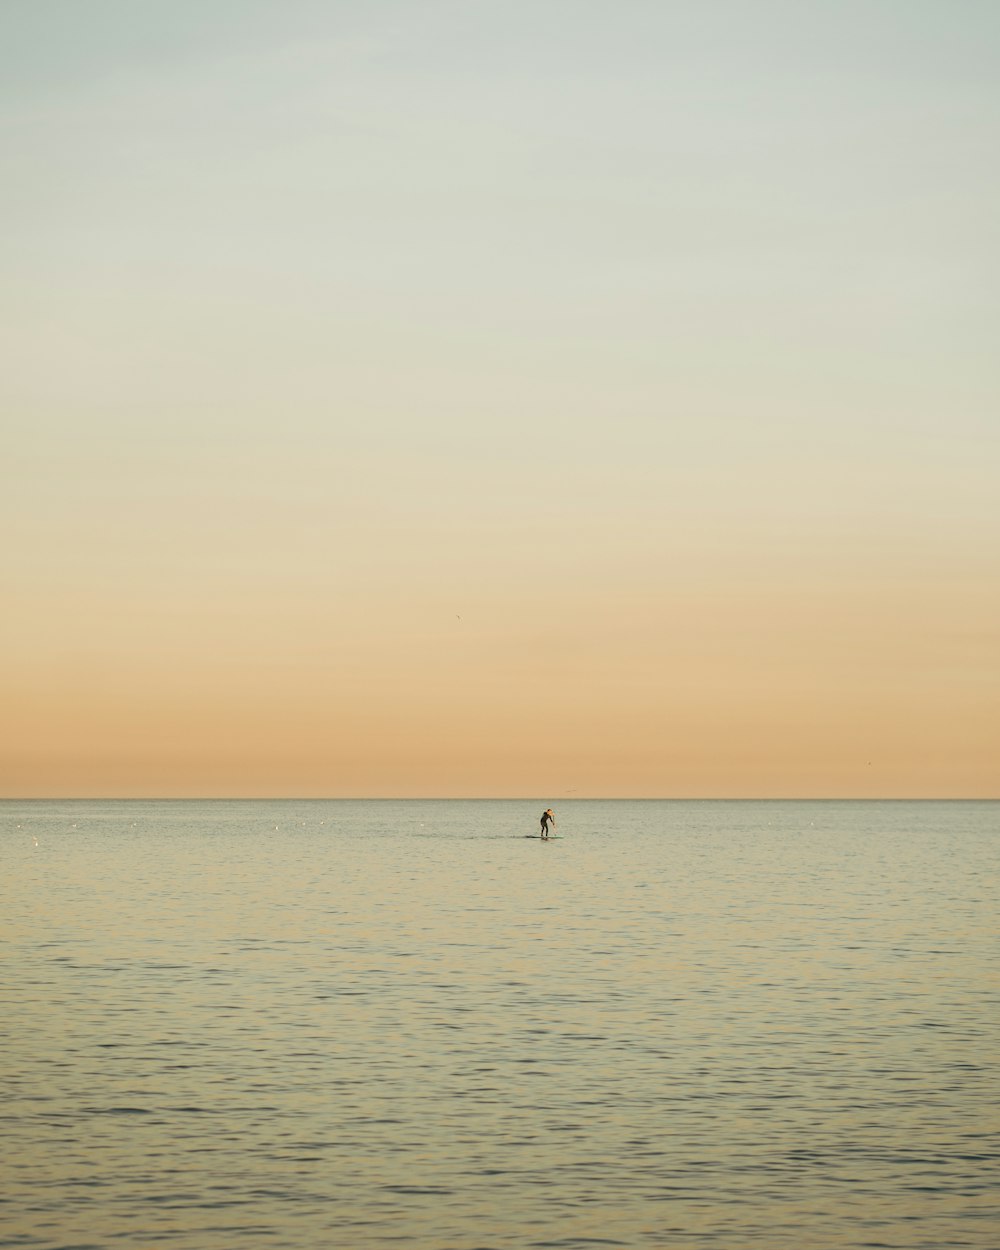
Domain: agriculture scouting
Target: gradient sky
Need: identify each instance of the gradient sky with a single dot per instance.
(500, 397)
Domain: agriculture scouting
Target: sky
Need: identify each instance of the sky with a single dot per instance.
(500, 398)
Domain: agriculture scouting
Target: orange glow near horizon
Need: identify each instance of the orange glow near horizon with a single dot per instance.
(594, 686)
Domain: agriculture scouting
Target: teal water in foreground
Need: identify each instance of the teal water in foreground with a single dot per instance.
(376, 1024)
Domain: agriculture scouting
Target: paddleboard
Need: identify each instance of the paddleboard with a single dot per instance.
(553, 837)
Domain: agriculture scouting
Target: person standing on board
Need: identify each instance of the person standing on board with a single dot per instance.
(547, 819)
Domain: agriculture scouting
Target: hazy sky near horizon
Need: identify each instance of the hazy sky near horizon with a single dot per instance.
(500, 398)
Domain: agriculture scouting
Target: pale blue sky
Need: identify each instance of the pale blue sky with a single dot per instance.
(686, 202)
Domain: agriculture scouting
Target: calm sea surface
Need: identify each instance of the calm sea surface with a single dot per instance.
(377, 1024)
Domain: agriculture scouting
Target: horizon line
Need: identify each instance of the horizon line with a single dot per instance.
(487, 798)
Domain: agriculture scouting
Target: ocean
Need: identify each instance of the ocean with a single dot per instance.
(373, 1024)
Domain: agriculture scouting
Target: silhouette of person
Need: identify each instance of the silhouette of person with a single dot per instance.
(547, 819)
